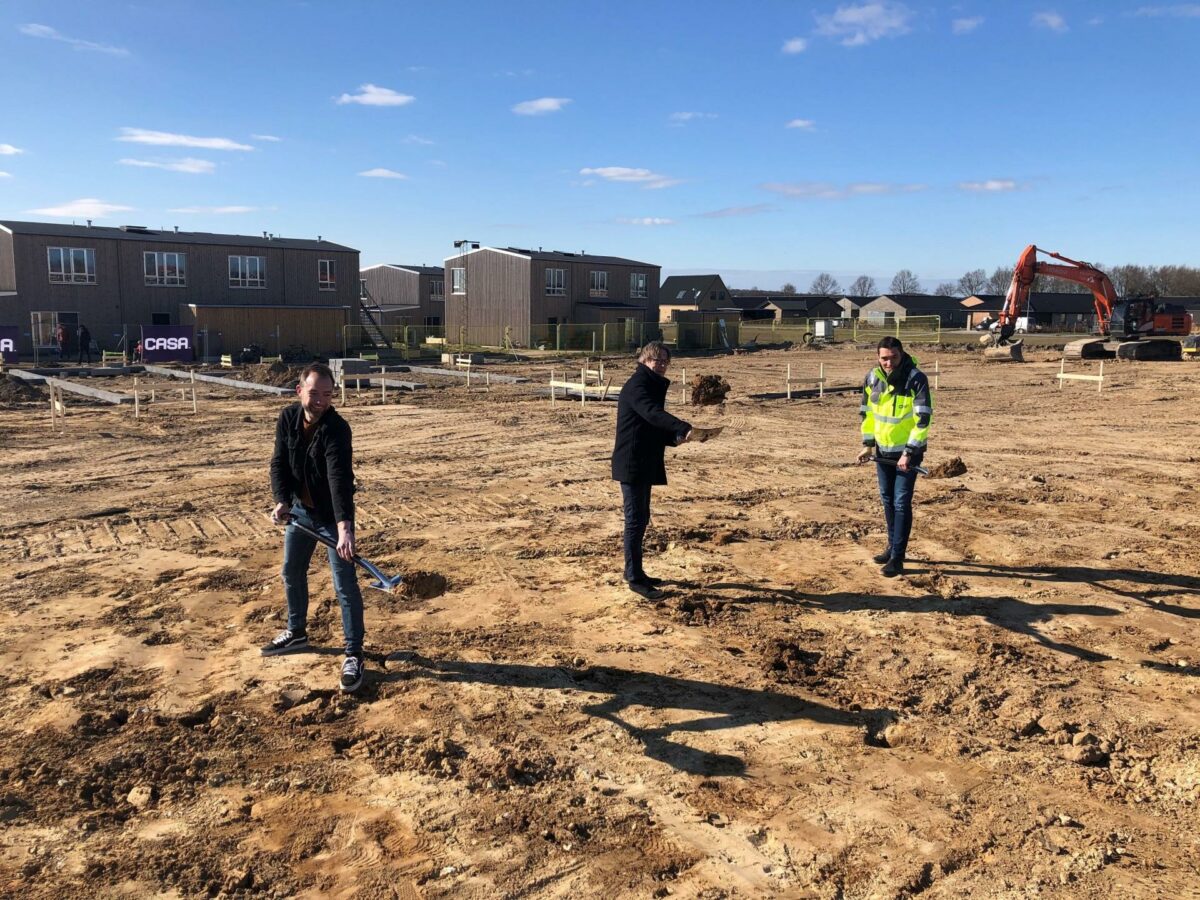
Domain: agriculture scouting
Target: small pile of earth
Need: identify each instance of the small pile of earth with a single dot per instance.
(951, 468)
(14, 390)
(423, 585)
(277, 374)
(708, 390)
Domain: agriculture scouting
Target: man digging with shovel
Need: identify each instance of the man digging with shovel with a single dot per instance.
(312, 480)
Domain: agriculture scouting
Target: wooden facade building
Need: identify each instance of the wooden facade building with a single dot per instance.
(407, 295)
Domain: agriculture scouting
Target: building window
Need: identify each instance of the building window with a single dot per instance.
(160, 318)
(247, 271)
(433, 321)
(637, 286)
(712, 295)
(721, 295)
(71, 265)
(437, 288)
(165, 269)
(458, 281)
(556, 283)
(327, 274)
(597, 284)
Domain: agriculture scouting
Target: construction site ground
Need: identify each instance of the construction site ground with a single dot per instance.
(1016, 717)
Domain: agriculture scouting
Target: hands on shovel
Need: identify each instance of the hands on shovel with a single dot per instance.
(902, 464)
(344, 546)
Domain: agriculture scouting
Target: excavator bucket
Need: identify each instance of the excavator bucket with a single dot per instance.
(1013, 352)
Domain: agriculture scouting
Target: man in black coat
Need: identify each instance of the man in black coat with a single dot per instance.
(312, 481)
(644, 430)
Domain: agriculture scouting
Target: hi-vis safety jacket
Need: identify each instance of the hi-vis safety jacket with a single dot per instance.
(896, 411)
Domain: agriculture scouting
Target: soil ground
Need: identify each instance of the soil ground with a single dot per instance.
(1016, 717)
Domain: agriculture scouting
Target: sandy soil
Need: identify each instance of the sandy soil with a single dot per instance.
(1017, 717)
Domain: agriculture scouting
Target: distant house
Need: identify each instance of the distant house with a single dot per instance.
(412, 295)
(492, 288)
(116, 279)
(1049, 310)
(982, 308)
(898, 307)
(692, 292)
(780, 306)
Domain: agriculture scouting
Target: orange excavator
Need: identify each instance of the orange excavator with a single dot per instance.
(1131, 329)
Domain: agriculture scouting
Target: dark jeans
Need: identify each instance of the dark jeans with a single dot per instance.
(896, 492)
(83, 350)
(636, 502)
(298, 549)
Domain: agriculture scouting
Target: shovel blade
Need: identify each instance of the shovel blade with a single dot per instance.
(387, 585)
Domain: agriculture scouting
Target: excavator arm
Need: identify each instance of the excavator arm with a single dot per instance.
(1028, 268)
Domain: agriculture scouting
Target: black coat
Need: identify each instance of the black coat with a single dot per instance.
(325, 467)
(644, 429)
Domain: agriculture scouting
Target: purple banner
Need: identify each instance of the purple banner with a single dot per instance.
(9, 335)
(166, 343)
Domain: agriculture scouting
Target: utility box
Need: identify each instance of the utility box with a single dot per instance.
(823, 329)
(348, 366)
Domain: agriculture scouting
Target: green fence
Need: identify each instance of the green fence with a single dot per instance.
(912, 328)
(414, 340)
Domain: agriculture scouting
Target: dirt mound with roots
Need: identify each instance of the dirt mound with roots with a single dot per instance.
(14, 390)
(708, 390)
(277, 374)
(951, 468)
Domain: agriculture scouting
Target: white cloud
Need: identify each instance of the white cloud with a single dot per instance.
(214, 210)
(266, 137)
(417, 139)
(992, 185)
(644, 177)
(854, 26)
(373, 95)
(1050, 20)
(731, 211)
(540, 106)
(52, 34)
(802, 124)
(382, 173)
(966, 26)
(5, 175)
(682, 118)
(1175, 11)
(87, 208)
(9, 150)
(187, 164)
(795, 45)
(167, 139)
(647, 220)
(822, 190)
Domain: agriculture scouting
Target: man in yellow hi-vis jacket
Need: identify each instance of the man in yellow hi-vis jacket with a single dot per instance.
(896, 410)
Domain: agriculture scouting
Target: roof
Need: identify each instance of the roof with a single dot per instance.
(795, 304)
(291, 307)
(420, 270)
(983, 302)
(931, 302)
(150, 235)
(688, 288)
(559, 256)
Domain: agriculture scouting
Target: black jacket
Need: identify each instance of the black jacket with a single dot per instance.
(644, 429)
(325, 468)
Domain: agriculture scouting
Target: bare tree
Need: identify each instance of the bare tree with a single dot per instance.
(905, 282)
(999, 280)
(864, 286)
(946, 289)
(825, 284)
(972, 282)
(788, 288)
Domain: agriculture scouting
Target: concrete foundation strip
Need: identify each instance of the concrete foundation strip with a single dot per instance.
(224, 382)
(71, 387)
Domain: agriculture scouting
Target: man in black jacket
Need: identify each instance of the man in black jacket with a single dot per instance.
(644, 430)
(311, 473)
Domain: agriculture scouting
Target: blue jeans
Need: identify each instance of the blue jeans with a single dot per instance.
(896, 492)
(636, 502)
(298, 549)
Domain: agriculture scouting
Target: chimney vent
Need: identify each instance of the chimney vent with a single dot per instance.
(89, 221)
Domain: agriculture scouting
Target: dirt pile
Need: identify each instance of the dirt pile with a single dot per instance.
(277, 374)
(14, 390)
(709, 390)
(951, 468)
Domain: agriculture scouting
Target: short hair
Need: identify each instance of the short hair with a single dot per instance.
(319, 369)
(890, 343)
(653, 349)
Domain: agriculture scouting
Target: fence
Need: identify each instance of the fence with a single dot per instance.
(413, 340)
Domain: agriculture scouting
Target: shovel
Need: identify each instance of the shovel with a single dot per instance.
(382, 582)
(891, 462)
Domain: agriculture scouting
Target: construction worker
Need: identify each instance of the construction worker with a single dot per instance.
(896, 409)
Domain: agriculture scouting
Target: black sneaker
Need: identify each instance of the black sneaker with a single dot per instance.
(892, 568)
(353, 668)
(883, 557)
(645, 589)
(653, 582)
(285, 642)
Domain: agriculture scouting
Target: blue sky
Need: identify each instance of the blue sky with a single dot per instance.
(765, 140)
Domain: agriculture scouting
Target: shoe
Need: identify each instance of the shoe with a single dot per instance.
(353, 668)
(285, 642)
(645, 589)
(892, 568)
(883, 557)
(646, 579)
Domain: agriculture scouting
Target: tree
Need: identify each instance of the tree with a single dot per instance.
(972, 282)
(788, 288)
(825, 284)
(905, 282)
(864, 286)
(946, 289)
(999, 280)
